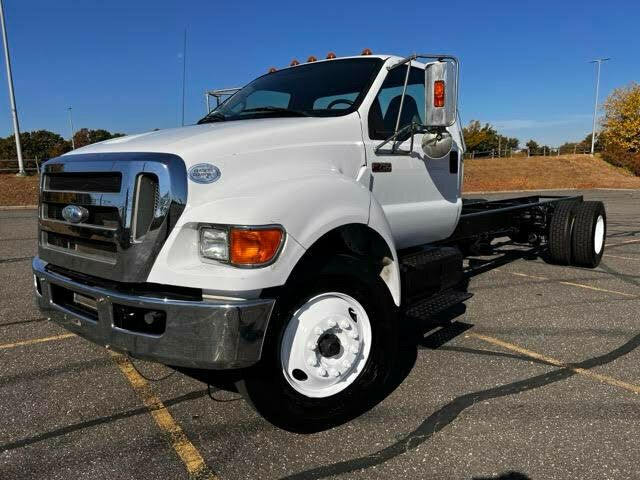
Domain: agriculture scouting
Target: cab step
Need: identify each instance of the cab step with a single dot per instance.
(430, 270)
(431, 306)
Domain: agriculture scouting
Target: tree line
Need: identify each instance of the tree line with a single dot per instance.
(486, 139)
(43, 144)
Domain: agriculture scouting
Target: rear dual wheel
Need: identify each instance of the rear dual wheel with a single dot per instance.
(577, 233)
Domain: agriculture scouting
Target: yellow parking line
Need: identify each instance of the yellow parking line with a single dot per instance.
(557, 363)
(36, 340)
(580, 285)
(188, 453)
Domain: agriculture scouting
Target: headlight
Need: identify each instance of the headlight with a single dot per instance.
(214, 243)
(242, 246)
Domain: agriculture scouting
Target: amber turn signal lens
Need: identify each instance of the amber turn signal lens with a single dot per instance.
(438, 93)
(254, 247)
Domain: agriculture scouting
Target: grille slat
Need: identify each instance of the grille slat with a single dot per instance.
(108, 182)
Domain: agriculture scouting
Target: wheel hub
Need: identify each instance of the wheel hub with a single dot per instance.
(325, 345)
(329, 345)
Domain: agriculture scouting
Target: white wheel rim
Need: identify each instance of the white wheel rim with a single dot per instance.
(310, 338)
(598, 236)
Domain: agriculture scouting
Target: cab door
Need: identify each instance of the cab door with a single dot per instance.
(419, 195)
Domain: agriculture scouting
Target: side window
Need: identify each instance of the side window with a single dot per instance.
(383, 114)
(267, 98)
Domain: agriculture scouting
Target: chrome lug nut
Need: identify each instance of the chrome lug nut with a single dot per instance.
(311, 346)
(318, 331)
(322, 372)
(334, 373)
(346, 364)
(331, 323)
(354, 349)
(354, 335)
(344, 325)
(311, 361)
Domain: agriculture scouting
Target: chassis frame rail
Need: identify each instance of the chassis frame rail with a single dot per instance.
(487, 219)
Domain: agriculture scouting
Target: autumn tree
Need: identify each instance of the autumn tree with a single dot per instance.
(621, 123)
(621, 128)
(86, 136)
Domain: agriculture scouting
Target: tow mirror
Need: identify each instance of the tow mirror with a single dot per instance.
(441, 93)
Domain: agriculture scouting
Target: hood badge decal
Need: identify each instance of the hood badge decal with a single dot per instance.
(204, 173)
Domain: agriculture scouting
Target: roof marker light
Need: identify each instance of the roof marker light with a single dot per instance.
(331, 56)
(366, 51)
(311, 58)
(294, 62)
(438, 93)
(273, 69)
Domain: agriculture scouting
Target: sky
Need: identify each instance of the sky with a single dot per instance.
(524, 64)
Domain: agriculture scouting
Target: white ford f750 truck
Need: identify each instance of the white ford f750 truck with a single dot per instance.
(290, 235)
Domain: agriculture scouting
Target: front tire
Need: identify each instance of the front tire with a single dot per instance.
(329, 349)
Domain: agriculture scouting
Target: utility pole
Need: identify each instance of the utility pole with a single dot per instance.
(598, 62)
(12, 97)
(184, 71)
(73, 142)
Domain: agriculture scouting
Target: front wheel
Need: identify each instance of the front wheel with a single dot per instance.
(329, 351)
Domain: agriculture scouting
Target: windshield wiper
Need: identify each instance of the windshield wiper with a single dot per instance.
(270, 109)
(213, 117)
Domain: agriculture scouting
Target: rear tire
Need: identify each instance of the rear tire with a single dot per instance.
(560, 232)
(589, 234)
(319, 390)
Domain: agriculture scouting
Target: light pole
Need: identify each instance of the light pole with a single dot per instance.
(12, 97)
(73, 143)
(598, 62)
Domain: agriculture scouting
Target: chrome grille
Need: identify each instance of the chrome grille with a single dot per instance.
(132, 201)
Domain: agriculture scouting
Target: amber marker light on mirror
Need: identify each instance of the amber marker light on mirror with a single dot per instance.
(254, 246)
(438, 93)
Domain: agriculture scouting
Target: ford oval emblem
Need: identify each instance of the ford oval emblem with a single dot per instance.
(75, 214)
(204, 173)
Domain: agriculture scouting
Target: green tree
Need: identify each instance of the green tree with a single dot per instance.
(533, 146)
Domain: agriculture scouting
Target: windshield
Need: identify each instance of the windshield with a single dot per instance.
(323, 89)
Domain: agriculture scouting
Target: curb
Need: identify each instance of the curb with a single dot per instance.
(18, 207)
(552, 190)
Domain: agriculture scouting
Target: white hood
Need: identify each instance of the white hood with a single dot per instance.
(212, 141)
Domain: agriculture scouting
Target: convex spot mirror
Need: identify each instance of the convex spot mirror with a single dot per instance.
(441, 93)
(437, 145)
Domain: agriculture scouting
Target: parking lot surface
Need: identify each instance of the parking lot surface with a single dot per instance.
(537, 379)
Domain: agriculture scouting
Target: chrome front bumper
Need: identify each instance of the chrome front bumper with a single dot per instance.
(197, 334)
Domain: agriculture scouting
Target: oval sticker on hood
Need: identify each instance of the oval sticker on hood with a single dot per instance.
(204, 173)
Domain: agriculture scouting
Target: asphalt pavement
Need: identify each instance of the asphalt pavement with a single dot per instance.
(536, 379)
